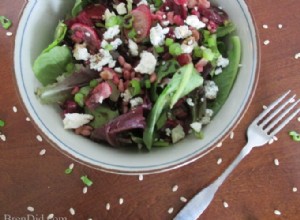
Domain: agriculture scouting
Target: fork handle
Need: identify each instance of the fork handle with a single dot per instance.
(197, 205)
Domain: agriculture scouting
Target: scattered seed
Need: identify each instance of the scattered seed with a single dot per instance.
(292, 100)
(72, 211)
(219, 144)
(265, 107)
(170, 210)
(280, 26)
(9, 33)
(121, 201)
(107, 206)
(15, 110)
(231, 135)
(265, 26)
(298, 119)
(50, 216)
(39, 138)
(295, 189)
(275, 138)
(266, 42)
(225, 204)
(219, 161)
(2, 137)
(141, 177)
(84, 190)
(277, 212)
(28, 119)
(175, 188)
(183, 199)
(297, 56)
(71, 166)
(43, 152)
(271, 141)
(30, 209)
(276, 162)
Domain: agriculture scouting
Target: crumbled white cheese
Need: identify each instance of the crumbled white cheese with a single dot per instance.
(111, 32)
(118, 69)
(152, 8)
(133, 48)
(157, 35)
(104, 43)
(168, 131)
(121, 8)
(209, 112)
(205, 120)
(182, 32)
(218, 71)
(142, 2)
(136, 102)
(116, 43)
(177, 134)
(193, 21)
(108, 14)
(126, 95)
(223, 62)
(196, 126)
(101, 59)
(80, 52)
(147, 63)
(76, 120)
(190, 102)
(189, 46)
(165, 23)
(211, 89)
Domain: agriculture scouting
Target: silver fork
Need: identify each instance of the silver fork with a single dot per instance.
(260, 132)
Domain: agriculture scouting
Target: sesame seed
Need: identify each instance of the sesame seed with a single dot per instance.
(231, 135)
(183, 199)
(43, 152)
(39, 138)
(107, 206)
(265, 107)
(276, 162)
(28, 119)
(71, 166)
(292, 100)
(121, 201)
(84, 190)
(297, 56)
(277, 212)
(15, 110)
(265, 26)
(175, 188)
(30, 209)
(298, 119)
(280, 26)
(2, 137)
(225, 204)
(275, 138)
(9, 33)
(170, 210)
(295, 189)
(219, 161)
(266, 42)
(50, 216)
(72, 211)
(271, 141)
(219, 144)
(141, 177)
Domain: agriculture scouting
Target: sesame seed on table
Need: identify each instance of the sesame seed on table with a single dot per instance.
(263, 186)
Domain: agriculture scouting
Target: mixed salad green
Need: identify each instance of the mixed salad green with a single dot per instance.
(142, 73)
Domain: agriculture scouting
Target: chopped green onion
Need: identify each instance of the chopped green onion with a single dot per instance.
(94, 83)
(68, 171)
(132, 34)
(169, 42)
(109, 47)
(128, 21)
(295, 136)
(85, 90)
(175, 49)
(197, 52)
(148, 84)
(79, 99)
(2, 123)
(136, 86)
(199, 135)
(5, 22)
(113, 21)
(159, 49)
(86, 181)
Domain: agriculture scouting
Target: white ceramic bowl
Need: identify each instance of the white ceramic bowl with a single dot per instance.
(35, 32)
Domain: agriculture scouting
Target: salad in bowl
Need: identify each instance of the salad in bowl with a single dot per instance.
(143, 73)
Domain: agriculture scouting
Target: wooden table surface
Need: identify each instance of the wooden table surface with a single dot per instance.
(253, 191)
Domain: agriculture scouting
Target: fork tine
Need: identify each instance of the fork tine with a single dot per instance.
(284, 123)
(271, 116)
(271, 106)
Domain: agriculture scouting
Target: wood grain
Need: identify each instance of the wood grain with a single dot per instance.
(253, 191)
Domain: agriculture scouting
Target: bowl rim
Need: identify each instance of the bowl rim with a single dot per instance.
(186, 161)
